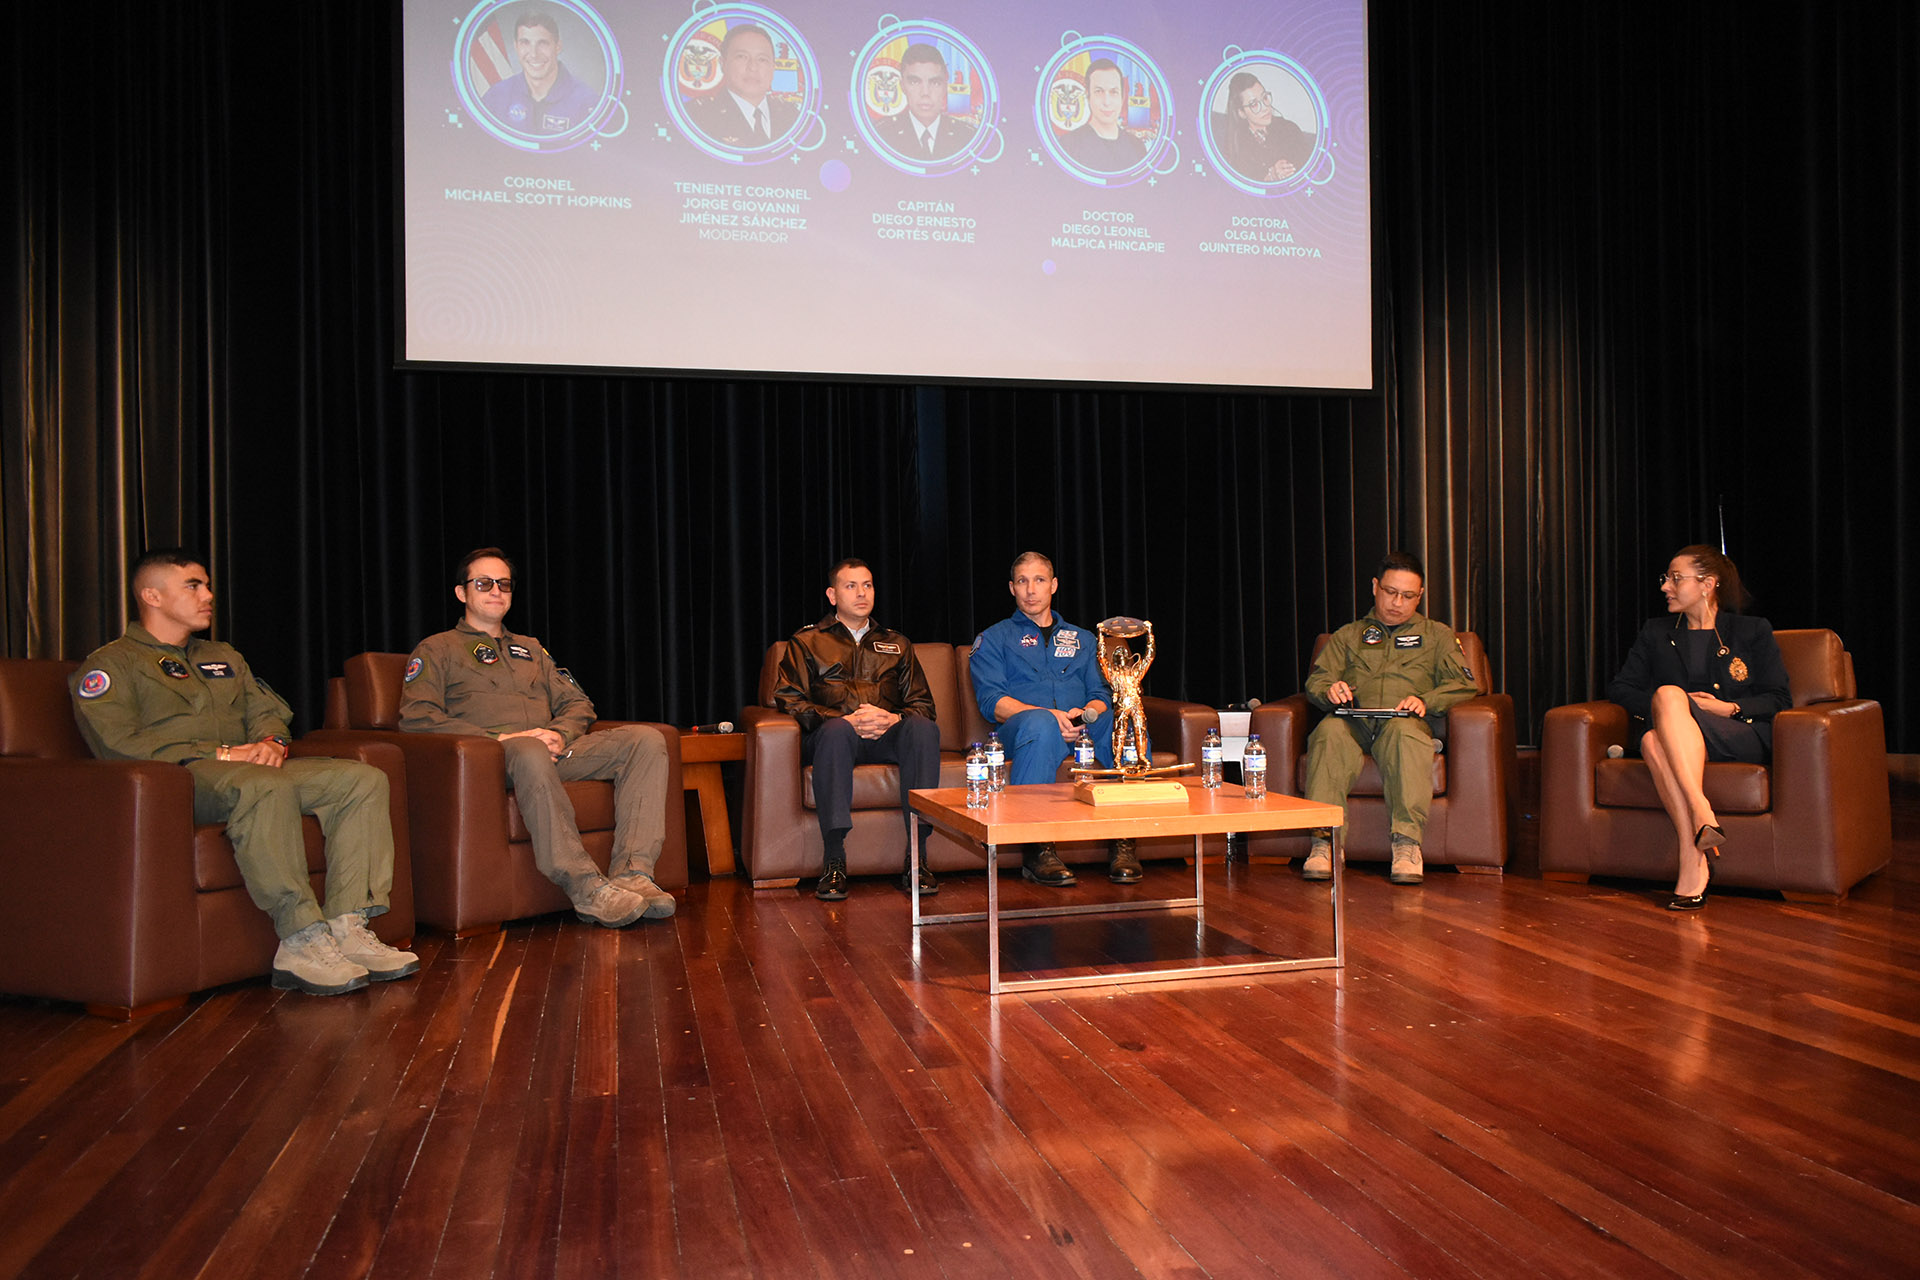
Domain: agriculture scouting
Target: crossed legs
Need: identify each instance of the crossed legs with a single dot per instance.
(1676, 756)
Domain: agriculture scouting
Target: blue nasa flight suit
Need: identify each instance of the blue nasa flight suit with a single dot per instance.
(1012, 659)
(567, 105)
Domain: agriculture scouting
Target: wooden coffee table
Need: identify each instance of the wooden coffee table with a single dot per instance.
(1048, 811)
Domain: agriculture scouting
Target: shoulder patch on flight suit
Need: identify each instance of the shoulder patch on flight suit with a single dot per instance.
(1408, 642)
(413, 671)
(178, 670)
(882, 646)
(216, 670)
(95, 683)
(978, 640)
(1372, 635)
(567, 675)
(1466, 668)
(486, 653)
(521, 651)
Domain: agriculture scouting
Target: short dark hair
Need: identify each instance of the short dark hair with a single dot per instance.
(1105, 64)
(1014, 568)
(479, 553)
(744, 29)
(922, 52)
(851, 562)
(536, 18)
(176, 557)
(1405, 561)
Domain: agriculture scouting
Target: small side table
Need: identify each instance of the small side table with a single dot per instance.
(701, 755)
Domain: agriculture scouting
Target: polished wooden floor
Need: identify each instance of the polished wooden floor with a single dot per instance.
(1510, 1078)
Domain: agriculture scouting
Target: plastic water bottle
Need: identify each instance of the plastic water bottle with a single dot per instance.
(1210, 756)
(1129, 753)
(1083, 757)
(976, 777)
(1253, 767)
(996, 764)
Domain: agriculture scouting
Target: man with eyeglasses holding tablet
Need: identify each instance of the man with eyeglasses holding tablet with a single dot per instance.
(1393, 671)
(480, 678)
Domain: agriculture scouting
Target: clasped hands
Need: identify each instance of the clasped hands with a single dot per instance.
(1340, 693)
(266, 752)
(555, 744)
(1714, 706)
(870, 721)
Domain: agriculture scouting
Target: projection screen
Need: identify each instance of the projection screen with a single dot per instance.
(1057, 192)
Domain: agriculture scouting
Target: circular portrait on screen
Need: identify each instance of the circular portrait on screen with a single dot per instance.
(1102, 108)
(923, 98)
(1264, 119)
(540, 76)
(741, 83)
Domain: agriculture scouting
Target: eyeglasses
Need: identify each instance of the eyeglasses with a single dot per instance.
(484, 585)
(1677, 578)
(1254, 104)
(1393, 593)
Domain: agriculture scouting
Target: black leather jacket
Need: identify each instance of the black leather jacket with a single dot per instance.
(824, 674)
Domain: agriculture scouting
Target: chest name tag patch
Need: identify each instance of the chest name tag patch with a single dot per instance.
(1028, 642)
(95, 683)
(178, 670)
(486, 653)
(880, 647)
(216, 670)
(1374, 635)
(519, 651)
(1407, 642)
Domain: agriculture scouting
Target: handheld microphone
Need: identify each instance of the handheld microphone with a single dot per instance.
(1251, 704)
(725, 726)
(1615, 751)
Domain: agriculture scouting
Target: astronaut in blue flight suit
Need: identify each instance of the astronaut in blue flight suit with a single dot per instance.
(1037, 676)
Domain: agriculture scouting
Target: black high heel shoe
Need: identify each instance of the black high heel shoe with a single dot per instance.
(1708, 840)
(1694, 902)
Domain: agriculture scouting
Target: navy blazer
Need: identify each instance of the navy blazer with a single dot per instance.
(1654, 660)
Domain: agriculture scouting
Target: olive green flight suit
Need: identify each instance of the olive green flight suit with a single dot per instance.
(1385, 664)
(139, 699)
(465, 681)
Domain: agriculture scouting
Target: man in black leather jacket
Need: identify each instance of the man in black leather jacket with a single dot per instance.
(860, 698)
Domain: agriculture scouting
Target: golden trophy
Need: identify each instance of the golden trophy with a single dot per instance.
(1135, 781)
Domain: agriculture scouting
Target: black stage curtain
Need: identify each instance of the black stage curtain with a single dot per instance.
(1650, 275)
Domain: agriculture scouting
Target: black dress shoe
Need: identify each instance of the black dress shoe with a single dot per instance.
(1124, 866)
(928, 885)
(833, 883)
(1042, 865)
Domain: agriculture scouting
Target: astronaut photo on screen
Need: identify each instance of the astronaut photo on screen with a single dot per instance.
(745, 112)
(1102, 145)
(1259, 142)
(544, 97)
(924, 129)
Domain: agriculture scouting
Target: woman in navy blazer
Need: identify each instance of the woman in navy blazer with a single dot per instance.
(1708, 679)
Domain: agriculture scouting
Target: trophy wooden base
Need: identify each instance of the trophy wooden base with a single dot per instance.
(1103, 794)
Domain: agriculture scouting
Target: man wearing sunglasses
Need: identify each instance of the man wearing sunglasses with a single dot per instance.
(480, 678)
(1393, 659)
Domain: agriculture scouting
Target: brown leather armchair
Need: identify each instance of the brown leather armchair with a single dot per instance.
(110, 894)
(473, 858)
(1471, 818)
(780, 839)
(1812, 825)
